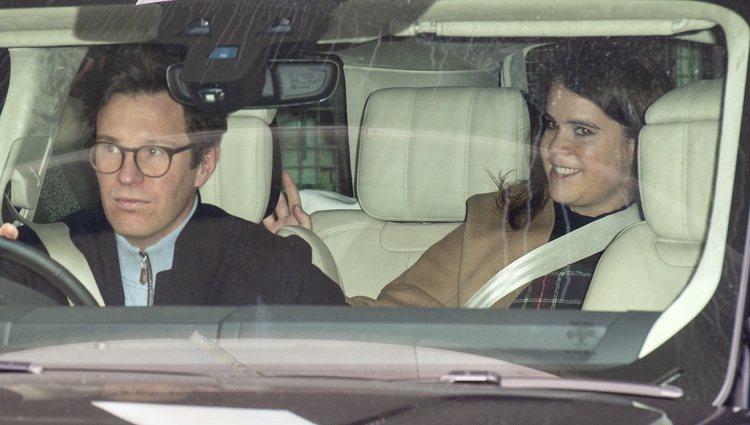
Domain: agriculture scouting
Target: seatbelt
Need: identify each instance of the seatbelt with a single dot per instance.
(554, 255)
(56, 238)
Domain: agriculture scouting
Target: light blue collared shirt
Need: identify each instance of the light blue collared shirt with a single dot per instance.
(160, 254)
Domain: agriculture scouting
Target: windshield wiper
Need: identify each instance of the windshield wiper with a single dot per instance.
(20, 367)
(568, 384)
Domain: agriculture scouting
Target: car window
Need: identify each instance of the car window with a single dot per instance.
(5, 66)
(314, 149)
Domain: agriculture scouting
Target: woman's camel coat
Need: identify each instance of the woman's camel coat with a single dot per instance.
(454, 268)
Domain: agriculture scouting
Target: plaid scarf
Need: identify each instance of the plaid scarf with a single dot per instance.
(565, 288)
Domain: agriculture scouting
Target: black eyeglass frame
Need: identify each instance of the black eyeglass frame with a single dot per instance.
(170, 153)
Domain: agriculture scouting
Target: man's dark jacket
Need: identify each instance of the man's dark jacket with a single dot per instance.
(219, 259)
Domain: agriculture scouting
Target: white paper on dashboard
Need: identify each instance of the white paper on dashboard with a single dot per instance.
(161, 414)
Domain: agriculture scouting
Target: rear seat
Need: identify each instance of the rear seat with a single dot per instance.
(422, 153)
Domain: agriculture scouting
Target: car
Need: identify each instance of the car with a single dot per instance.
(389, 116)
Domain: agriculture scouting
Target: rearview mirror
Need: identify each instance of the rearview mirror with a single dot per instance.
(282, 82)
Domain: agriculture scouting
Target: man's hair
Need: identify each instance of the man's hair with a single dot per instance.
(137, 69)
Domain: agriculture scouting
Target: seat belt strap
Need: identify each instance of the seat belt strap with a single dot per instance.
(56, 238)
(554, 255)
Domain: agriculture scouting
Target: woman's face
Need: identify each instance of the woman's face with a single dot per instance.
(586, 155)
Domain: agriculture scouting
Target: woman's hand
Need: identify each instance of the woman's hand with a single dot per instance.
(288, 211)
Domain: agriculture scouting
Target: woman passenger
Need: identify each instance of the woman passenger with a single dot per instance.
(583, 169)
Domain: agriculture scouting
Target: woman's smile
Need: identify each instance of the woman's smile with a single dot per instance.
(586, 155)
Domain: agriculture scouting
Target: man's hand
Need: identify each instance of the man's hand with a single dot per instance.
(9, 231)
(289, 210)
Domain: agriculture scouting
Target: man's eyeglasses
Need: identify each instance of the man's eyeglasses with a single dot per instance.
(152, 161)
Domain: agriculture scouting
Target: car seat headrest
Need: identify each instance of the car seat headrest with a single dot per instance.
(424, 151)
(677, 152)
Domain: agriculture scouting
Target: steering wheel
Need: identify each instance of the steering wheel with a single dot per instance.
(49, 269)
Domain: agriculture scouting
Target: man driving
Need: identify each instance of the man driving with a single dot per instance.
(152, 241)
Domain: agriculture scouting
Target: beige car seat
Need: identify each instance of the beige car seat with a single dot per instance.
(422, 153)
(241, 184)
(647, 265)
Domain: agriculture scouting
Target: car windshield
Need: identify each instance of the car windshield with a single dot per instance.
(556, 185)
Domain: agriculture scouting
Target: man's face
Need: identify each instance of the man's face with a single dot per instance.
(145, 209)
